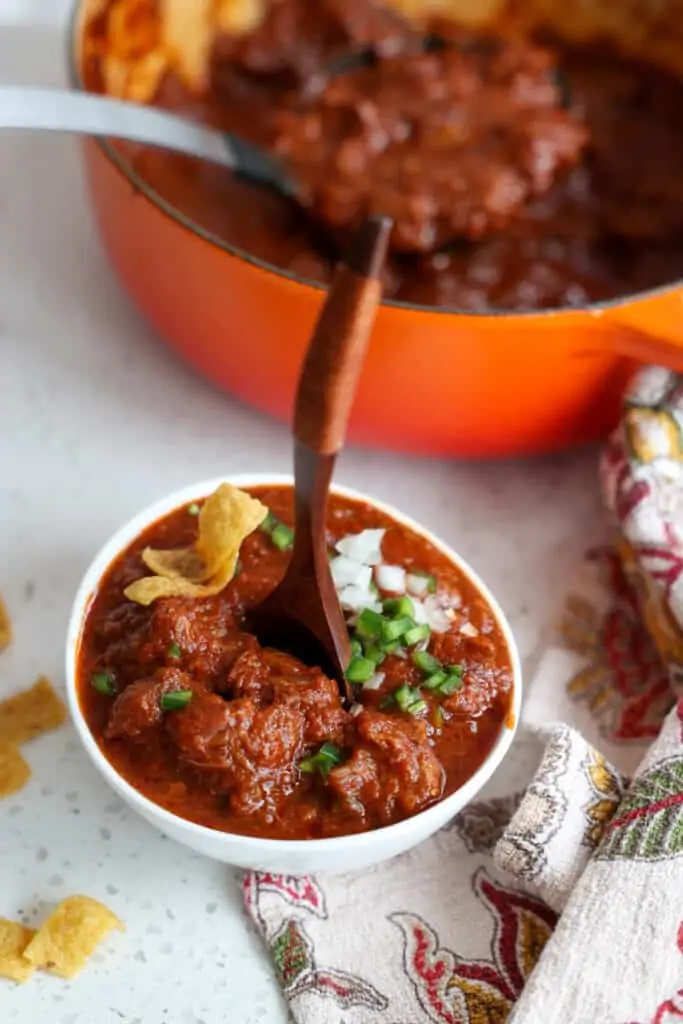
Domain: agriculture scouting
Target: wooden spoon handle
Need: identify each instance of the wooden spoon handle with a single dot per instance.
(333, 363)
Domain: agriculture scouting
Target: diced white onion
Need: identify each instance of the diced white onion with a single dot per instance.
(355, 599)
(438, 617)
(391, 578)
(417, 586)
(467, 629)
(374, 682)
(347, 571)
(419, 613)
(355, 709)
(364, 547)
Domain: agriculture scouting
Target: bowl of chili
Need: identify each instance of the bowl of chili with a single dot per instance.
(248, 756)
(566, 265)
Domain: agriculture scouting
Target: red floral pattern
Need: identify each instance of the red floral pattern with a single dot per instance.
(624, 493)
(452, 990)
(624, 680)
(301, 891)
(640, 679)
(663, 562)
(641, 476)
(292, 949)
(294, 959)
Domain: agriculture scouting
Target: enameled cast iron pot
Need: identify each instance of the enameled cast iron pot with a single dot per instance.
(436, 381)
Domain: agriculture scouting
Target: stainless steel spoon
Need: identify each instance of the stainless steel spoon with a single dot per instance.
(62, 110)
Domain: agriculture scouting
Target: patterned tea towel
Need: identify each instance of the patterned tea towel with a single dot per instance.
(450, 933)
(617, 953)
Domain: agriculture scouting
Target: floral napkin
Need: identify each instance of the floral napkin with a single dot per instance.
(583, 820)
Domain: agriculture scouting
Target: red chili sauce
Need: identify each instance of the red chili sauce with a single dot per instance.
(519, 175)
(263, 746)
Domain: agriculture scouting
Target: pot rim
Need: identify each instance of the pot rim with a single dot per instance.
(174, 214)
(256, 845)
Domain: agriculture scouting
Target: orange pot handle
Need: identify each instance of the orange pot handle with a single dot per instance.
(625, 337)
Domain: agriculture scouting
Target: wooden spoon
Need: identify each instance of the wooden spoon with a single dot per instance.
(303, 614)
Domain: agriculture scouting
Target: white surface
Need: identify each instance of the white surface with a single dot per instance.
(338, 854)
(97, 420)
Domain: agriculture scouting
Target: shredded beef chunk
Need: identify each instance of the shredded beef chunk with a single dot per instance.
(191, 624)
(138, 708)
(271, 676)
(205, 633)
(483, 687)
(121, 636)
(449, 143)
(202, 731)
(357, 783)
(317, 698)
(249, 677)
(254, 671)
(484, 683)
(394, 773)
(252, 751)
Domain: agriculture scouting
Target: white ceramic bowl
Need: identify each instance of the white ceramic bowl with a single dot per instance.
(340, 854)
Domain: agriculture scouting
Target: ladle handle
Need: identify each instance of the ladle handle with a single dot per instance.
(333, 362)
(63, 110)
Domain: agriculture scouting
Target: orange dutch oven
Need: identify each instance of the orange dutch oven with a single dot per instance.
(437, 381)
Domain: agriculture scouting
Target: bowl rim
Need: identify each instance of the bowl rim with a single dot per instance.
(257, 845)
(141, 186)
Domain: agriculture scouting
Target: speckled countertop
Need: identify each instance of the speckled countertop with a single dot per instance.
(96, 420)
